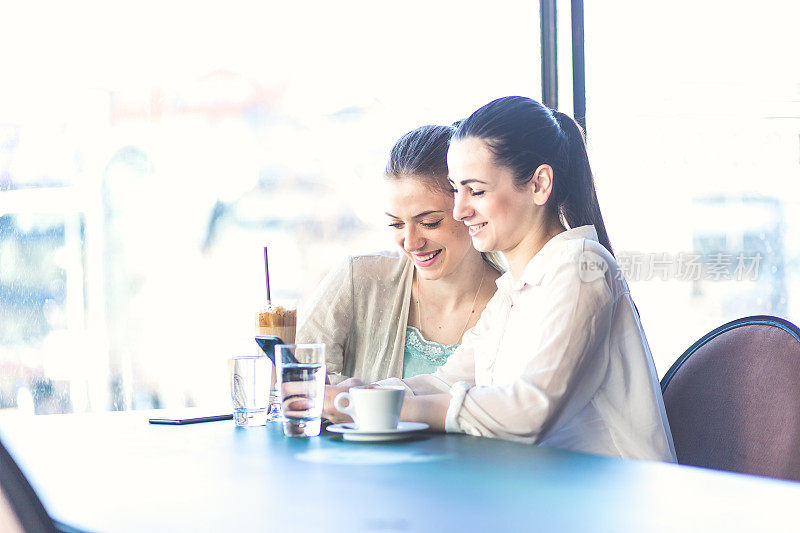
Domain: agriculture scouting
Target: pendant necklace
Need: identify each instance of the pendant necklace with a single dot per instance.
(469, 314)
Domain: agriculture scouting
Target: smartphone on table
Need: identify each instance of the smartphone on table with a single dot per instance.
(191, 419)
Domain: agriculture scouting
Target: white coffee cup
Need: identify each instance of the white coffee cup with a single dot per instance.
(373, 408)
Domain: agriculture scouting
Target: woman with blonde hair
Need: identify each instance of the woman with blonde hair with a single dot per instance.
(402, 313)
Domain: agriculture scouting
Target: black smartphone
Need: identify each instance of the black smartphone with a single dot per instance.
(267, 344)
(191, 420)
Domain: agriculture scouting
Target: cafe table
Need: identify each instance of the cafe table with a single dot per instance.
(114, 472)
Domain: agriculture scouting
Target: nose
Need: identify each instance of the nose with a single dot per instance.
(462, 209)
(413, 239)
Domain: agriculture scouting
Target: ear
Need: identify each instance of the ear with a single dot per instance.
(542, 184)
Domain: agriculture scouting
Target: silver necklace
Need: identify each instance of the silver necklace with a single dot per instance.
(469, 314)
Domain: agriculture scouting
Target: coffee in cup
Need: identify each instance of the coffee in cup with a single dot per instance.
(373, 408)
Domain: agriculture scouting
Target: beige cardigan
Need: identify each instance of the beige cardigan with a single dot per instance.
(360, 311)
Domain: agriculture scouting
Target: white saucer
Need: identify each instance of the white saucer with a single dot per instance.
(403, 431)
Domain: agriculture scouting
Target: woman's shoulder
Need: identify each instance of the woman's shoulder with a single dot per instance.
(378, 279)
(369, 269)
(362, 277)
(570, 257)
(579, 248)
(381, 257)
(379, 264)
(588, 261)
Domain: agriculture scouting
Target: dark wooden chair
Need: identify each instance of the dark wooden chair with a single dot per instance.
(733, 399)
(24, 508)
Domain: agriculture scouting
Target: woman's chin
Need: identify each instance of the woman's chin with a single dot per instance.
(482, 246)
(429, 275)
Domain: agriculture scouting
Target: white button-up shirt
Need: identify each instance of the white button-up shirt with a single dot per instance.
(559, 358)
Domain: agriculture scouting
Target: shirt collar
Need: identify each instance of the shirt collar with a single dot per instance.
(537, 266)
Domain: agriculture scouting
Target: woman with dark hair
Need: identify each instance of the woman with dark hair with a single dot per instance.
(399, 314)
(559, 356)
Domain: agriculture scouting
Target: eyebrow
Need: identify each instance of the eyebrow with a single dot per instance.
(467, 182)
(420, 215)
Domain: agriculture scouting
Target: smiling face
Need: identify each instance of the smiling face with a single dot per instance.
(499, 214)
(422, 221)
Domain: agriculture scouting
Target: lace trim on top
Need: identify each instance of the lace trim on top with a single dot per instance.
(431, 351)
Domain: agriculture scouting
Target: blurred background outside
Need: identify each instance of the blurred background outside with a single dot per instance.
(148, 151)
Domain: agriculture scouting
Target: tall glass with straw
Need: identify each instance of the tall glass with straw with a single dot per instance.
(277, 318)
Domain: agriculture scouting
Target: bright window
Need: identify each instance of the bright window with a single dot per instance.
(148, 150)
(693, 118)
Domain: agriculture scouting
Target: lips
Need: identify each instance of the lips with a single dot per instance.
(426, 259)
(476, 228)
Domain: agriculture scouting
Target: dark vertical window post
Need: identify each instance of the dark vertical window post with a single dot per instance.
(578, 65)
(547, 17)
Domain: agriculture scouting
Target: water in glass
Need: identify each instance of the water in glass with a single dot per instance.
(302, 387)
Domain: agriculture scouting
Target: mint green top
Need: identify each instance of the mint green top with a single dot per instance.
(423, 356)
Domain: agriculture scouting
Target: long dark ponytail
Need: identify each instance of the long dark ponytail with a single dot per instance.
(524, 134)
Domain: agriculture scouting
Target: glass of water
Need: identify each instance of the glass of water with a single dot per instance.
(250, 385)
(301, 382)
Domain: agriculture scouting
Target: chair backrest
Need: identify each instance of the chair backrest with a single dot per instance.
(733, 399)
(9, 523)
(21, 499)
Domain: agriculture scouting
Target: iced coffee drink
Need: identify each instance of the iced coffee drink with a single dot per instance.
(279, 319)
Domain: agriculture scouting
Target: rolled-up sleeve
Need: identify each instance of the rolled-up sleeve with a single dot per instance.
(561, 358)
(458, 392)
